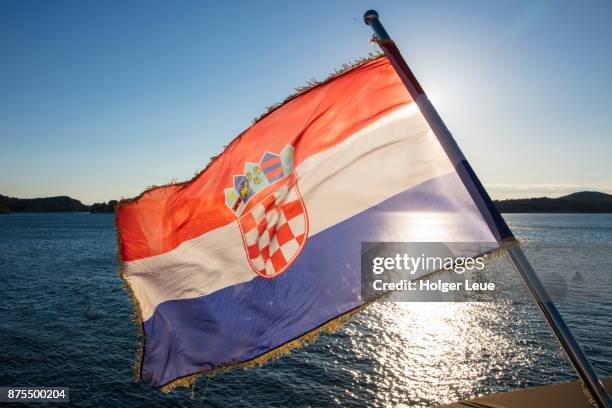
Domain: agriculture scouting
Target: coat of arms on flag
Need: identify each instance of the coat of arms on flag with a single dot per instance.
(271, 214)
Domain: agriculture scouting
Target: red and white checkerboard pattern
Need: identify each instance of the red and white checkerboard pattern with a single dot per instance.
(274, 231)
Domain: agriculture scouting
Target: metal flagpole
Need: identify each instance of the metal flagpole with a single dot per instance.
(497, 224)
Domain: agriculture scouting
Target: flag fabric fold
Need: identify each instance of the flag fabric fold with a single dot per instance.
(261, 250)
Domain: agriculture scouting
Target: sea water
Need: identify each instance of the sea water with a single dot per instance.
(65, 320)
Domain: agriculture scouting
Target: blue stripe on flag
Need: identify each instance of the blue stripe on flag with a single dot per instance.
(244, 321)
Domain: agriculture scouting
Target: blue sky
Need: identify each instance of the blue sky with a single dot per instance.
(101, 99)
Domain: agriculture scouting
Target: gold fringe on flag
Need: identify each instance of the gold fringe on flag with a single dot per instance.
(136, 311)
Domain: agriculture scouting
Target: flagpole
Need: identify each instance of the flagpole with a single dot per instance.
(496, 223)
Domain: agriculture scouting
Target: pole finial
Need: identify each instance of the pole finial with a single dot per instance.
(370, 16)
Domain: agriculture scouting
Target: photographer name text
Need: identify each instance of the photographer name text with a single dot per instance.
(437, 286)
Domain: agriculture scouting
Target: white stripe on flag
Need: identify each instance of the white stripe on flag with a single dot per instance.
(389, 156)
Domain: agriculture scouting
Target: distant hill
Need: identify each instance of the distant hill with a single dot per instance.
(581, 202)
(589, 196)
(52, 204)
(47, 204)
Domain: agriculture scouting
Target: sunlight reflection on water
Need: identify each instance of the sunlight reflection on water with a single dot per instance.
(431, 351)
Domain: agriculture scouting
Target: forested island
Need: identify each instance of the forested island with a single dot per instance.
(52, 204)
(581, 202)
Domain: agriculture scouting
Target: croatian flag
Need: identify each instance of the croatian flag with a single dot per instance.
(262, 248)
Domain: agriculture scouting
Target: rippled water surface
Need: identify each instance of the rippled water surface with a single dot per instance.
(65, 320)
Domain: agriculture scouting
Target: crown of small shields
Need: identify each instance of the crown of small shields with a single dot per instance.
(272, 167)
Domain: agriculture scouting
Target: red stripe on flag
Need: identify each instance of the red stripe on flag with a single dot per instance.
(161, 219)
